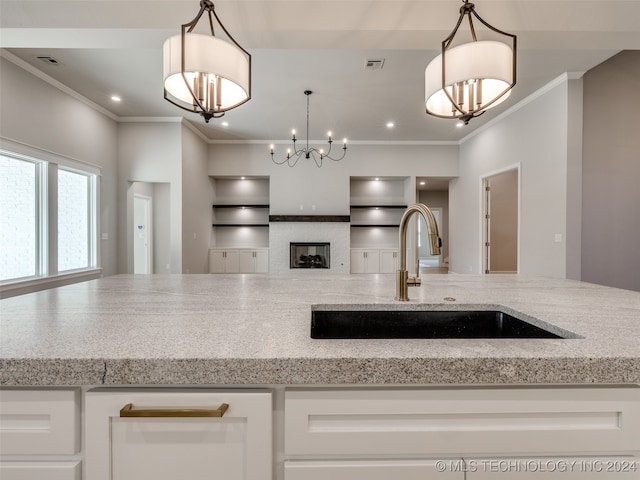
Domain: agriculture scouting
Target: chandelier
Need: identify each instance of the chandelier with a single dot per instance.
(466, 80)
(203, 73)
(318, 155)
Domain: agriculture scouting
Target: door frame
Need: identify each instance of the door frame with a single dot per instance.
(483, 256)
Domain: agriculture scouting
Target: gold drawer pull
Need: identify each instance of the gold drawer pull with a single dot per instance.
(128, 411)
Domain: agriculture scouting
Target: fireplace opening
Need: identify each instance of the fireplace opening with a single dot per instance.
(309, 255)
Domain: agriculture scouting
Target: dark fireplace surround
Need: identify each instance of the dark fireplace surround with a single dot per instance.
(309, 255)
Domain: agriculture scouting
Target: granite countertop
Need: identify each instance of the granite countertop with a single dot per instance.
(254, 330)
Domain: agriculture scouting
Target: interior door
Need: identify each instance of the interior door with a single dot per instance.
(500, 220)
(142, 262)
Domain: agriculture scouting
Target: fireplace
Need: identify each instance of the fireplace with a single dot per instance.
(309, 255)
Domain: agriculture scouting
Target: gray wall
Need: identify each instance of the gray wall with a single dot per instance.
(535, 137)
(37, 114)
(197, 198)
(611, 173)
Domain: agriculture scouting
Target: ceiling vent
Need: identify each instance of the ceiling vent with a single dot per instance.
(374, 64)
(48, 60)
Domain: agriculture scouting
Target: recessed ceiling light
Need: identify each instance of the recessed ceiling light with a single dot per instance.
(460, 124)
(390, 125)
(377, 179)
(225, 124)
(423, 183)
(116, 98)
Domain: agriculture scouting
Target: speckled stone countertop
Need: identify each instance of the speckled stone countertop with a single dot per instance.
(254, 330)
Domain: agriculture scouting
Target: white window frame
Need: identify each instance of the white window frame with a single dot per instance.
(92, 258)
(47, 275)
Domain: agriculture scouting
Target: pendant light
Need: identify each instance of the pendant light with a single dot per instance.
(467, 79)
(206, 74)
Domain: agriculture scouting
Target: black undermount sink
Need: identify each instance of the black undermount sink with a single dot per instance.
(372, 324)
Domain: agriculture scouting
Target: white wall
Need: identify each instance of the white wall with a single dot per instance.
(535, 136)
(197, 197)
(327, 188)
(151, 153)
(37, 114)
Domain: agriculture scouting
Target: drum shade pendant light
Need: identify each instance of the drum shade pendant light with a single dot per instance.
(203, 73)
(318, 155)
(467, 79)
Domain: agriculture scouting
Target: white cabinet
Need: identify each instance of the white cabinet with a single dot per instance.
(36, 424)
(238, 260)
(371, 433)
(368, 470)
(224, 261)
(374, 260)
(388, 260)
(483, 421)
(254, 261)
(365, 260)
(165, 434)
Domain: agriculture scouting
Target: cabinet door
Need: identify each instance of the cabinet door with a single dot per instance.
(372, 261)
(216, 261)
(369, 470)
(262, 260)
(540, 468)
(39, 422)
(236, 446)
(247, 261)
(232, 261)
(388, 261)
(357, 261)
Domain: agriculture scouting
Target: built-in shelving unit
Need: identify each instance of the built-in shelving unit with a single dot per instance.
(240, 226)
(393, 208)
(377, 206)
(242, 207)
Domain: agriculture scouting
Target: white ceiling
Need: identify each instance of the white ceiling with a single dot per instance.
(108, 47)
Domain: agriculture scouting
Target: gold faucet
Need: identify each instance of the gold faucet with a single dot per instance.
(403, 281)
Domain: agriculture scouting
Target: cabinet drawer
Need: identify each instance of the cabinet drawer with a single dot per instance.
(40, 470)
(368, 470)
(39, 422)
(462, 421)
(156, 437)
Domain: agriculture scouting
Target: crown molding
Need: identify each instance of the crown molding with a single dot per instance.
(561, 79)
(62, 87)
(55, 83)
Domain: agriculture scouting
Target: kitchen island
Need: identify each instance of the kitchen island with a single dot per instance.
(254, 330)
(91, 357)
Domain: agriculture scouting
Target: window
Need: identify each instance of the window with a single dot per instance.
(20, 196)
(75, 213)
(44, 235)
